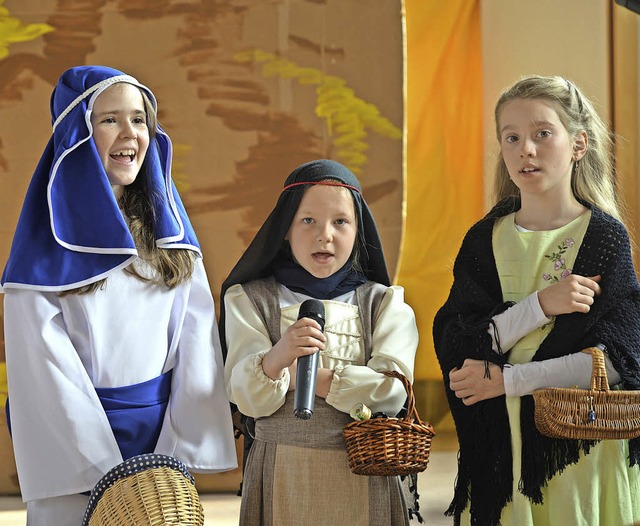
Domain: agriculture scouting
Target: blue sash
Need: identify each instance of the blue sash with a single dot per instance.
(136, 413)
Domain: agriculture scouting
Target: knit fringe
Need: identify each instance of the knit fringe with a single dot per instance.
(494, 464)
(410, 489)
(544, 457)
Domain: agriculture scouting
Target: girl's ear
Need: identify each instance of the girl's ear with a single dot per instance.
(580, 145)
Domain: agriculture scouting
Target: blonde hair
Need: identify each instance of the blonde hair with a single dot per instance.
(593, 178)
(173, 266)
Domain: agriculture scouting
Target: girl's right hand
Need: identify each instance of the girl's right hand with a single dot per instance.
(574, 293)
(302, 338)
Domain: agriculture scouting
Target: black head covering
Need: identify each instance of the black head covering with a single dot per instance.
(257, 260)
(266, 247)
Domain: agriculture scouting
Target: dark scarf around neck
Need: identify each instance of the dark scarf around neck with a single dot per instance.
(293, 276)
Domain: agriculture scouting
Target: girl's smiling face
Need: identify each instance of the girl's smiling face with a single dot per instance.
(120, 133)
(536, 147)
(324, 229)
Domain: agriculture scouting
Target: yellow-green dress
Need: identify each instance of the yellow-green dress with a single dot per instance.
(601, 489)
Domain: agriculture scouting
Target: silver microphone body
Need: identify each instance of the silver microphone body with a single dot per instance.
(307, 368)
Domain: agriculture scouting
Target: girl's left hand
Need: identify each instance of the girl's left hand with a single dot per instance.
(470, 384)
(323, 382)
(323, 379)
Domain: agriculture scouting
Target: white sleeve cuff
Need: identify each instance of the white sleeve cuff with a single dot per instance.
(566, 371)
(517, 321)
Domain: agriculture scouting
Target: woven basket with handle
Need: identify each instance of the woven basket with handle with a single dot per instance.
(151, 489)
(390, 446)
(590, 414)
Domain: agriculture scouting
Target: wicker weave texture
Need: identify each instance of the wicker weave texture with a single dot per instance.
(589, 414)
(154, 497)
(390, 446)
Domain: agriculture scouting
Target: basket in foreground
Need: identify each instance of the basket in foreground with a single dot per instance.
(153, 490)
(390, 446)
(588, 414)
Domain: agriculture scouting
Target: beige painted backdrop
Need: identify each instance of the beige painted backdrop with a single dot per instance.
(247, 90)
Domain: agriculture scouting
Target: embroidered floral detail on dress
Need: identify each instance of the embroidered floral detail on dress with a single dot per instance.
(559, 263)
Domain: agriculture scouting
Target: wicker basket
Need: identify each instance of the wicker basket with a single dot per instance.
(154, 490)
(389, 446)
(590, 414)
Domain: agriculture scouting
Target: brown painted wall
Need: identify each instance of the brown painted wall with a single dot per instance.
(247, 90)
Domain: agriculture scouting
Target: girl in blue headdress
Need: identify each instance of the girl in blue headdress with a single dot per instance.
(320, 242)
(111, 341)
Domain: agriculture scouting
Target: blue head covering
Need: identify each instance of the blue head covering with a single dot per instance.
(71, 232)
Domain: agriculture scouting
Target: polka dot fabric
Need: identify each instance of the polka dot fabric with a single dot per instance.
(129, 468)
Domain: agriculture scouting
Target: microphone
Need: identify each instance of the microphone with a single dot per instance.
(307, 369)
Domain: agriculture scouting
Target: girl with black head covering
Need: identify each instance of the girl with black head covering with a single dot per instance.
(320, 242)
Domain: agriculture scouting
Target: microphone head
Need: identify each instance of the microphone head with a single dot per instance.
(313, 309)
(303, 414)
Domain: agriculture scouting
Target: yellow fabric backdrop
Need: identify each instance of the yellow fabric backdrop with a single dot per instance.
(444, 183)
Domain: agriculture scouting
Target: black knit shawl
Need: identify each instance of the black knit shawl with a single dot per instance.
(266, 247)
(460, 331)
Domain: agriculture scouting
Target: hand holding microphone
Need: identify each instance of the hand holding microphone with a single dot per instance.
(307, 368)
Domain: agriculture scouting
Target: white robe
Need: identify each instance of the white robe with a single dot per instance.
(58, 349)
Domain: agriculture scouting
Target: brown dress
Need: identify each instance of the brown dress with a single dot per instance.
(279, 491)
(297, 471)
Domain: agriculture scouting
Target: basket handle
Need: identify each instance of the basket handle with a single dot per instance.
(599, 380)
(412, 413)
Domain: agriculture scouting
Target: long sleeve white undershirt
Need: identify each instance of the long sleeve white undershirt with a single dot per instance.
(522, 379)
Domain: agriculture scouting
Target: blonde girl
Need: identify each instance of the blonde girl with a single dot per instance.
(547, 273)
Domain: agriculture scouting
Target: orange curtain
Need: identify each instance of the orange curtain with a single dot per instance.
(444, 163)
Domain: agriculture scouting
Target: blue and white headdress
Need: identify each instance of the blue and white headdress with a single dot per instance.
(71, 232)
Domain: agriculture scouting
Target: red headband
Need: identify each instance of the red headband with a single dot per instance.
(326, 183)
